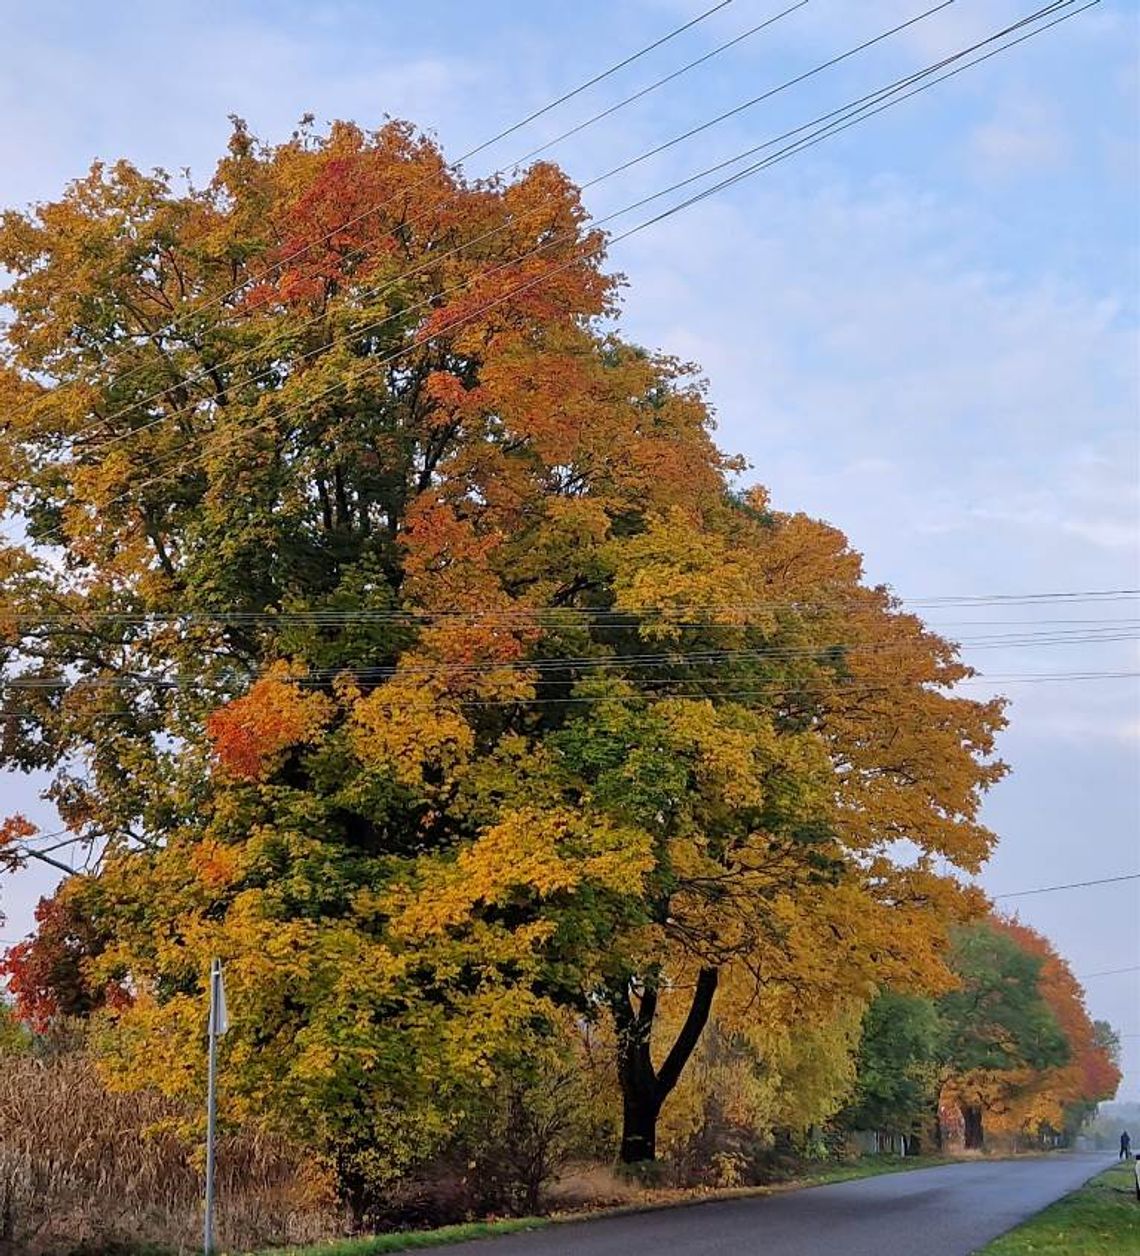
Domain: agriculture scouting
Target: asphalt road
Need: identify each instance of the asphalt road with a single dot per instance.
(948, 1211)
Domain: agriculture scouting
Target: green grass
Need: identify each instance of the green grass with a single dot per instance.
(410, 1240)
(1101, 1219)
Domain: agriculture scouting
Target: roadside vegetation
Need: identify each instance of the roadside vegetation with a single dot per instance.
(411, 1240)
(1100, 1219)
(386, 625)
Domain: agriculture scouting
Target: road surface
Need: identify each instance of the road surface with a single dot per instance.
(948, 1211)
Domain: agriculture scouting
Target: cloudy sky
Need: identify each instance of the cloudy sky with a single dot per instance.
(924, 330)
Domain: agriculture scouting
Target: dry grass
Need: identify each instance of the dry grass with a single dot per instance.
(582, 1187)
(83, 1170)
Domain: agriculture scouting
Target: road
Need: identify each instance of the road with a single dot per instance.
(948, 1211)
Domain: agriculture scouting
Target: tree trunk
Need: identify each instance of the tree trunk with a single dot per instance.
(643, 1088)
(936, 1123)
(974, 1134)
(639, 1128)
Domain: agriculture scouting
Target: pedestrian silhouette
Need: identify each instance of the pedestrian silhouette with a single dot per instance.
(1125, 1147)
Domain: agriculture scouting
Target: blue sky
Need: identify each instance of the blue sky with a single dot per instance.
(923, 331)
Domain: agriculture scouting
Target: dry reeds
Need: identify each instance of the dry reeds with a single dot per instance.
(85, 1170)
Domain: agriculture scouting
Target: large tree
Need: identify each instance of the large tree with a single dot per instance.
(1056, 1097)
(896, 1076)
(1000, 1030)
(387, 625)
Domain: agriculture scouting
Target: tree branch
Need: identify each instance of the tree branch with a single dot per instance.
(670, 1071)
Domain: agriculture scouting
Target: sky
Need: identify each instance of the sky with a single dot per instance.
(923, 330)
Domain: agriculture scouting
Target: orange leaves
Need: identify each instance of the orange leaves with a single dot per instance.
(217, 865)
(14, 830)
(455, 400)
(446, 556)
(1090, 1074)
(249, 734)
(345, 207)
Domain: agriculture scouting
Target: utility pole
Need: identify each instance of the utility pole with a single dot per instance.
(218, 1024)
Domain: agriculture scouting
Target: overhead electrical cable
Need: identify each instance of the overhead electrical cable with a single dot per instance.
(826, 132)
(454, 165)
(523, 616)
(208, 373)
(745, 686)
(546, 245)
(1068, 885)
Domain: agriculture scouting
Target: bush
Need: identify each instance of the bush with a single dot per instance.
(510, 1146)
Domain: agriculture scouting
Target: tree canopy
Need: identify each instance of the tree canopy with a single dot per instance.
(1010, 1045)
(392, 628)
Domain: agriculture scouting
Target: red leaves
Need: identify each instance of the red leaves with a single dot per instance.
(46, 975)
(250, 733)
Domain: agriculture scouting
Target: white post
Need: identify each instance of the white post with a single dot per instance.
(217, 1025)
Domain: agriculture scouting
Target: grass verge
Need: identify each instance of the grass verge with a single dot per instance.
(410, 1240)
(870, 1166)
(1100, 1219)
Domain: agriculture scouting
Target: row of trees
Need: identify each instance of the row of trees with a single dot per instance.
(390, 627)
(1011, 1045)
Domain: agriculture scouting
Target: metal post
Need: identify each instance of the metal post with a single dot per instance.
(211, 1104)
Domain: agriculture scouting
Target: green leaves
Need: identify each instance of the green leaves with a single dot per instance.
(998, 1018)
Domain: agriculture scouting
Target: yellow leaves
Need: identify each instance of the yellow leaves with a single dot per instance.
(537, 854)
(728, 760)
(783, 1068)
(407, 727)
(679, 571)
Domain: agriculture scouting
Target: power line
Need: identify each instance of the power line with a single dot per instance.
(824, 653)
(432, 261)
(453, 166)
(652, 87)
(1012, 894)
(853, 110)
(781, 155)
(792, 82)
(1069, 885)
(884, 684)
(1110, 972)
(823, 650)
(525, 616)
(492, 232)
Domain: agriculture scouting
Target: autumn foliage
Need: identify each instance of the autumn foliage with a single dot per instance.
(1035, 1100)
(251, 732)
(424, 664)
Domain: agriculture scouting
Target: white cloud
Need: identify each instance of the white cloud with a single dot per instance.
(1025, 136)
(971, 430)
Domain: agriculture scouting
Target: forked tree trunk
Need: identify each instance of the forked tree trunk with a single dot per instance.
(639, 1128)
(973, 1134)
(644, 1089)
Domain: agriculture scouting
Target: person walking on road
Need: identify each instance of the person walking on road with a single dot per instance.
(1125, 1147)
